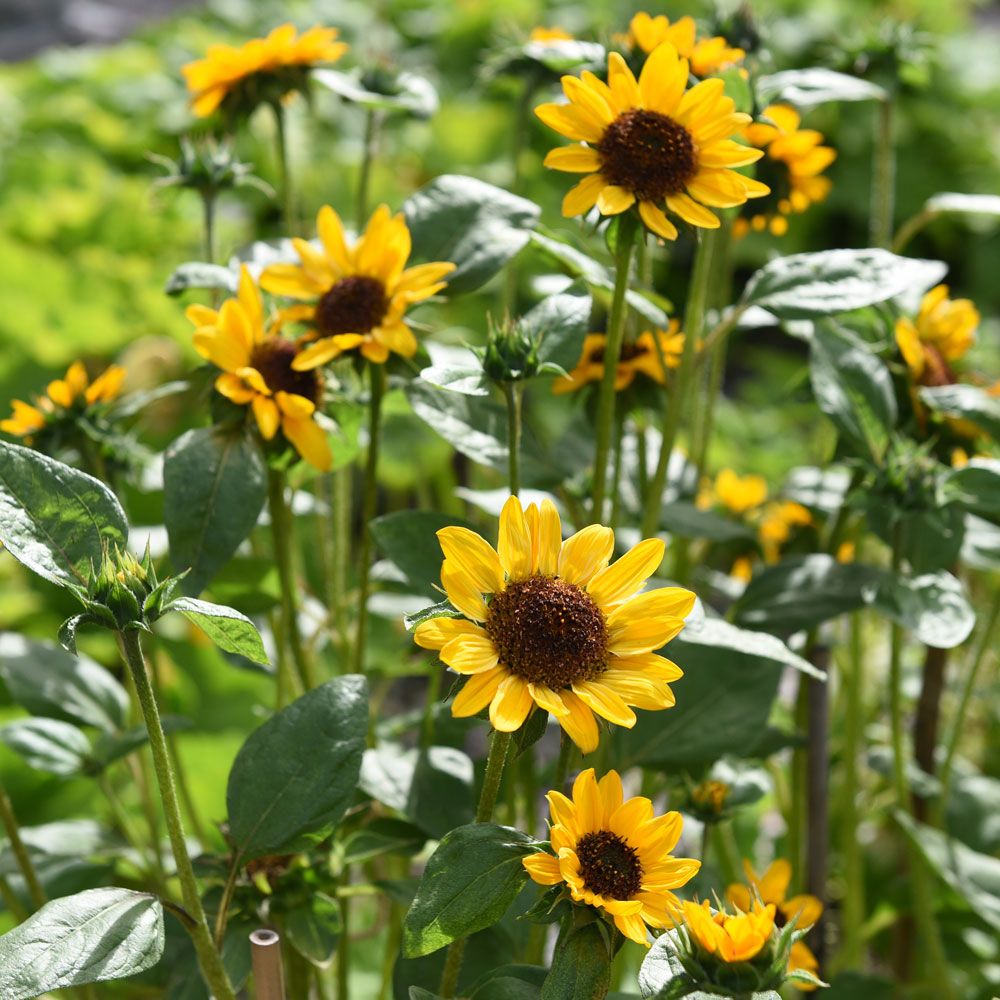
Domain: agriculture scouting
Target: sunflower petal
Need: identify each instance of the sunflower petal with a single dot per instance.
(474, 556)
(585, 553)
(478, 691)
(624, 577)
(512, 704)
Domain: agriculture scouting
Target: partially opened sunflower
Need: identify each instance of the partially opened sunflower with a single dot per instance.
(651, 143)
(553, 624)
(942, 332)
(729, 937)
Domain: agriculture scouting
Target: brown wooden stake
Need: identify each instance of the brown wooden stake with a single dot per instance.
(268, 979)
(927, 721)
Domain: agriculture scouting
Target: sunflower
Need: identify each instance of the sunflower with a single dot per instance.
(739, 494)
(74, 391)
(776, 523)
(651, 143)
(640, 357)
(356, 296)
(772, 888)
(614, 854)
(792, 168)
(729, 937)
(705, 55)
(264, 69)
(258, 370)
(943, 331)
(549, 623)
(554, 34)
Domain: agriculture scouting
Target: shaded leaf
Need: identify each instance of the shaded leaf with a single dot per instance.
(581, 969)
(409, 539)
(47, 745)
(966, 402)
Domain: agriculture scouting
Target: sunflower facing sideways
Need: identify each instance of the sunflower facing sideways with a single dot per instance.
(651, 143)
(257, 371)
(614, 854)
(729, 937)
(706, 55)
(356, 296)
(262, 70)
(551, 624)
(942, 332)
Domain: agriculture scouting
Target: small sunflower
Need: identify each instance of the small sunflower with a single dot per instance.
(356, 297)
(554, 34)
(651, 143)
(63, 397)
(549, 623)
(942, 332)
(258, 370)
(705, 55)
(772, 888)
(639, 357)
(792, 169)
(614, 854)
(729, 937)
(264, 69)
(777, 521)
(739, 494)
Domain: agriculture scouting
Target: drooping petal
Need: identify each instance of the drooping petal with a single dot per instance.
(512, 704)
(478, 691)
(474, 556)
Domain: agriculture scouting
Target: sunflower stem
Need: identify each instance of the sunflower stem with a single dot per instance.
(514, 395)
(883, 176)
(20, 852)
(373, 124)
(342, 495)
(694, 323)
(208, 955)
(368, 507)
(518, 134)
(617, 470)
(612, 352)
(566, 748)
(284, 172)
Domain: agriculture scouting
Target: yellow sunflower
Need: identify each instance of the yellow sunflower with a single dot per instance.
(639, 357)
(614, 854)
(776, 523)
(258, 370)
(943, 331)
(729, 937)
(792, 169)
(74, 390)
(549, 623)
(651, 143)
(356, 296)
(740, 494)
(542, 34)
(263, 69)
(772, 888)
(705, 55)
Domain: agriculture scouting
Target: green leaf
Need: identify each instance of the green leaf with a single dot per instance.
(560, 322)
(47, 745)
(806, 285)
(228, 629)
(46, 680)
(565, 55)
(93, 937)
(476, 225)
(409, 539)
(314, 928)
(467, 378)
(581, 969)
(442, 609)
(196, 274)
(808, 87)
(966, 402)
(685, 519)
(853, 387)
(214, 487)
(294, 777)
(113, 746)
(953, 203)
(976, 487)
(410, 93)
(934, 606)
(384, 835)
(468, 884)
(54, 519)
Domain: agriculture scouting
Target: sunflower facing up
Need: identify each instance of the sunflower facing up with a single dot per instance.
(551, 624)
(942, 332)
(705, 55)
(63, 397)
(356, 296)
(772, 888)
(651, 143)
(614, 854)
(641, 356)
(258, 371)
(262, 70)
(792, 169)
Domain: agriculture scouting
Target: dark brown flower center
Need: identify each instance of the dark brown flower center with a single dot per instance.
(937, 371)
(353, 305)
(608, 866)
(273, 359)
(549, 632)
(630, 351)
(648, 154)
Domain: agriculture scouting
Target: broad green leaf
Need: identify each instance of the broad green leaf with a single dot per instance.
(808, 87)
(506, 988)
(685, 519)
(410, 93)
(196, 274)
(981, 544)
(47, 745)
(384, 835)
(976, 487)
(464, 375)
(93, 937)
(581, 969)
(934, 606)
(853, 387)
(46, 680)
(560, 322)
(214, 487)
(314, 927)
(409, 539)
(468, 884)
(566, 55)
(294, 777)
(953, 203)
(806, 285)
(966, 402)
(55, 519)
(228, 629)
(477, 226)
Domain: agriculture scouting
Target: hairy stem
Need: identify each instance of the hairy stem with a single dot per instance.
(20, 852)
(513, 395)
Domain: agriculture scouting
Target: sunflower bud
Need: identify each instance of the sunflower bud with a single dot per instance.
(207, 167)
(511, 352)
(708, 800)
(126, 590)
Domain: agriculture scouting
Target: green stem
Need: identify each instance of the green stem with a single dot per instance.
(898, 732)
(518, 134)
(612, 353)
(341, 557)
(616, 471)
(282, 535)
(124, 827)
(281, 151)
(800, 779)
(727, 851)
(344, 948)
(208, 956)
(694, 323)
(566, 748)
(513, 394)
(373, 121)
(433, 693)
(910, 228)
(222, 916)
(883, 176)
(497, 757)
(21, 855)
(369, 505)
(208, 224)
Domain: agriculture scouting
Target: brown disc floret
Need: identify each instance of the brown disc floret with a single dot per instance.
(273, 358)
(608, 865)
(356, 304)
